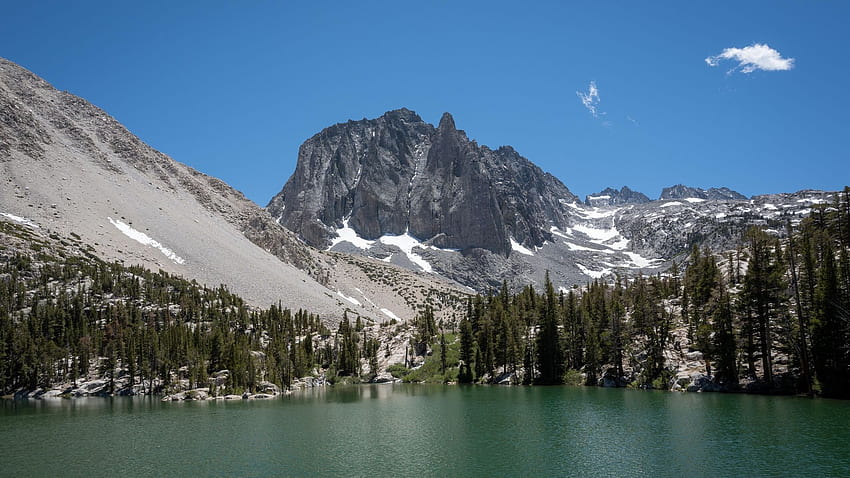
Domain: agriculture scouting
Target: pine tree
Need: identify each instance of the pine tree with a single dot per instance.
(466, 346)
(549, 358)
(762, 285)
(724, 344)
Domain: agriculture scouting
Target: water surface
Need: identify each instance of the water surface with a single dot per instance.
(423, 430)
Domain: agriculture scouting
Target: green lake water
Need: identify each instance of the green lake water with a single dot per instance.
(423, 430)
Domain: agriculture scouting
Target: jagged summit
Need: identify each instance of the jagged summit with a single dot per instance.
(386, 177)
(447, 122)
(428, 198)
(69, 169)
(681, 191)
(612, 197)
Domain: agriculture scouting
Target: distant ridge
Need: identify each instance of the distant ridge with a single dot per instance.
(680, 191)
(612, 197)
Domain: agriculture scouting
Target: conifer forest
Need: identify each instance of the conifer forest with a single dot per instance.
(772, 316)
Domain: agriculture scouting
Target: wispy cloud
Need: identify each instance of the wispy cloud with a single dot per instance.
(751, 58)
(590, 100)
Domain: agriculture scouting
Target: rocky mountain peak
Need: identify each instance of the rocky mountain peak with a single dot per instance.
(380, 177)
(402, 115)
(447, 123)
(613, 197)
(724, 193)
(681, 191)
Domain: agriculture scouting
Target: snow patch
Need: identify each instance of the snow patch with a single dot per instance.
(620, 245)
(597, 235)
(598, 197)
(146, 240)
(576, 247)
(519, 248)
(350, 299)
(640, 261)
(695, 199)
(592, 212)
(671, 203)
(592, 273)
(565, 234)
(364, 297)
(390, 314)
(349, 235)
(19, 219)
(406, 243)
(597, 213)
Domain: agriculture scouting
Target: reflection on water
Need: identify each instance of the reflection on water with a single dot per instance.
(391, 430)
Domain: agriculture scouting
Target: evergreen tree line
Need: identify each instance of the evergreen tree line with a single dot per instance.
(772, 316)
(772, 299)
(351, 346)
(61, 317)
(549, 337)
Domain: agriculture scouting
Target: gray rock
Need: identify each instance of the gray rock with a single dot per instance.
(613, 197)
(58, 149)
(268, 388)
(483, 216)
(398, 174)
(681, 191)
(384, 377)
(703, 383)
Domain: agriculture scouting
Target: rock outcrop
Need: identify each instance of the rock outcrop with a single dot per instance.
(613, 197)
(430, 199)
(397, 174)
(681, 191)
(75, 171)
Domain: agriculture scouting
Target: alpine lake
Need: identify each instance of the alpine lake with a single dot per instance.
(430, 430)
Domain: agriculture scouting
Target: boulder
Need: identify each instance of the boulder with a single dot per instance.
(383, 377)
(268, 388)
(703, 383)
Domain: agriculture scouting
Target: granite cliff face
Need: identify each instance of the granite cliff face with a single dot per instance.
(429, 199)
(613, 197)
(398, 175)
(71, 170)
(681, 191)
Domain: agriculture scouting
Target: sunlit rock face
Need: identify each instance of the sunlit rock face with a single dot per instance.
(397, 174)
(430, 199)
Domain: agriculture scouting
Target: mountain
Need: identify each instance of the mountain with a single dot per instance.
(427, 198)
(681, 191)
(71, 170)
(398, 175)
(613, 197)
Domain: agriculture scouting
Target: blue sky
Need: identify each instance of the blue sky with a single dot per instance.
(233, 88)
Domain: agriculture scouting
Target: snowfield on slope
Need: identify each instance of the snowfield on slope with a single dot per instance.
(143, 238)
(19, 220)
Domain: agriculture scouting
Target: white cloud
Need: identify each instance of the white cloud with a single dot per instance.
(754, 57)
(591, 99)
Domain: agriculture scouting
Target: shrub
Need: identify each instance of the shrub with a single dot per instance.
(573, 377)
(398, 370)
